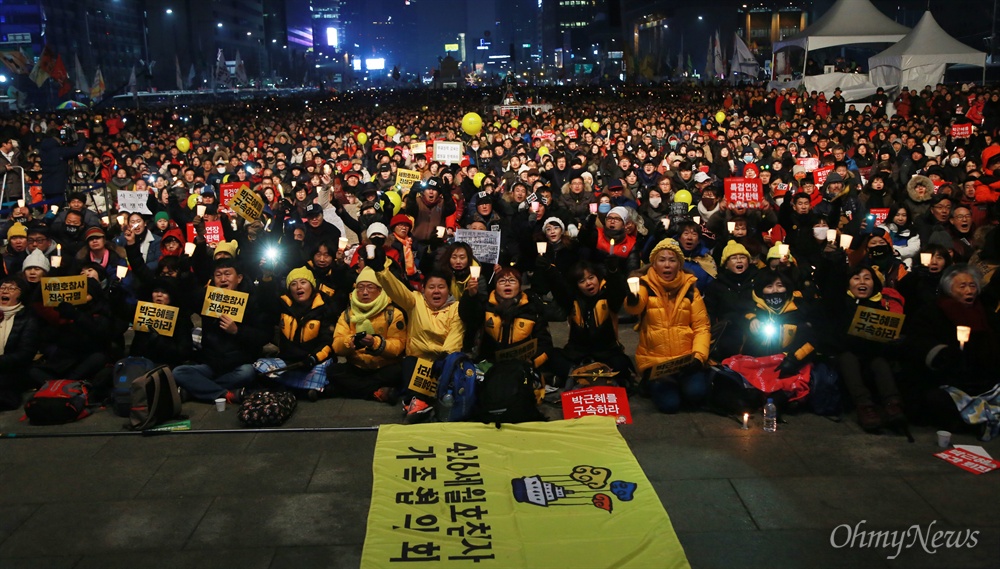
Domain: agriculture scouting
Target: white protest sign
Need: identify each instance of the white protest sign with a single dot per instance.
(448, 152)
(485, 244)
(133, 201)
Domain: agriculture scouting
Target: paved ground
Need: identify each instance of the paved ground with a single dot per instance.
(736, 498)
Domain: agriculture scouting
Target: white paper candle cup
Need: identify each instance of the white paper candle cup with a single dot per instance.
(831, 235)
(440, 231)
(542, 247)
(20, 203)
(845, 242)
(474, 271)
(370, 249)
(55, 261)
(731, 226)
(666, 222)
(697, 219)
(633, 285)
(593, 208)
(944, 439)
(535, 206)
(783, 250)
(201, 210)
(342, 243)
(925, 259)
(55, 209)
(962, 334)
(121, 271)
(121, 219)
(105, 219)
(189, 249)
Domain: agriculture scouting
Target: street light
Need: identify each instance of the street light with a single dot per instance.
(169, 11)
(219, 25)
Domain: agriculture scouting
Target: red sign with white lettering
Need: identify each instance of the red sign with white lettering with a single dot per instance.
(822, 174)
(601, 401)
(810, 164)
(744, 192)
(968, 461)
(961, 130)
(881, 214)
(227, 192)
(213, 232)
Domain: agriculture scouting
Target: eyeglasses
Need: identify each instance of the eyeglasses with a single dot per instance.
(962, 217)
(9, 288)
(507, 281)
(37, 239)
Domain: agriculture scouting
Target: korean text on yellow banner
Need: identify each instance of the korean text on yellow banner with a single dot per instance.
(224, 302)
(56, 290)
(159, 317)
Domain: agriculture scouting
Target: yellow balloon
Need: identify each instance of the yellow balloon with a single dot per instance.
(183, 144)
(390, 131)
(587, 123)
(595, 126)
(192, 201)
(396, 200)
(514, 123)
(497, 124)
(362, 138)
(390, 150)
(543, 151)
(472, 124)
(477, 180)
(720, 117)
(683, 196)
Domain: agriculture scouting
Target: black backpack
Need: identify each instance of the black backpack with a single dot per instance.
(507, 394)
(59, 401)
(155, 399)
(125, 372)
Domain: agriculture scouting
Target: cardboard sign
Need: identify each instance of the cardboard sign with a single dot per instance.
(213, 233)
(810, 164)
(448, 152)
(601, 401)
(670, 367)
(821, 175)
(406, 178)
(525, 351)
(961, 130)
(247, 204)
(875, 324)
(881, 214)
(159, 317)
(56, 290)
(744, 192)
(485, 244)
(133, 201)
(227, 192)
(422, 381)
(969, 461)
(418, 148)
(223, 302)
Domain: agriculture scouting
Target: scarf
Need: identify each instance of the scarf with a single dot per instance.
(667, 290)
(102, 261)
(411, 265)
(361, 313)
(962, 314)
(7, 323)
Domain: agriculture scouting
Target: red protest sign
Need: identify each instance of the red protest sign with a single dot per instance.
(600, 401)
(227, 192)
(213, 232)
(881, 214)
(961, 130)
(810, 164)
(822, 174)
(746, 192)
(966, 460)
(571, 133)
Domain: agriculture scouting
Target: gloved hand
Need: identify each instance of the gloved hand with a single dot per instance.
(378, 263)
(788, 367)
(66, 310)
(695, 366)
(310, 362)
(612, 263)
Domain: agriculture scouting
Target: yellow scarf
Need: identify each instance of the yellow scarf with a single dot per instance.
(361, 313)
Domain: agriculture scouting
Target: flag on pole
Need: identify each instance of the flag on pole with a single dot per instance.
(97, 90)
(81, 79)
(720, 63)
(180, 78)
(709, 60)
(192, 75)
(744, 61)
(40, 73)
(132, 86)
(221, 71)
(241, 70)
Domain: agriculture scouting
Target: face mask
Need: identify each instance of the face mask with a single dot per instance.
(378, 240)
(775, 300)
(955, 161)
(819, 232)
(72, 229)
(748, 158)
(655, 202)
(604, 207)
(673, 144)
(879, 251)
(220, 169)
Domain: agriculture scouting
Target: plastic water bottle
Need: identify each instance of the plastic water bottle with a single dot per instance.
(447, 402)
(770, 416)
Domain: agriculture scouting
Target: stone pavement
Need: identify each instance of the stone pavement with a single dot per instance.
(737, 499)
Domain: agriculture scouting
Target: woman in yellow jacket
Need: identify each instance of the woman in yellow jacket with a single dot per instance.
(674, 330)
(435, 328)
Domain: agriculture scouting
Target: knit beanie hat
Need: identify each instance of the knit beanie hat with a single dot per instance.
(17, 230)
(733, 248)
(670, 244)
(36, 259)
(621, 212)
(367, 275)
(230, 247)
(300, 273)
(555, 221)
(161, 215)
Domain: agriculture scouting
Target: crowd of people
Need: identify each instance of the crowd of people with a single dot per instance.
(867, 254)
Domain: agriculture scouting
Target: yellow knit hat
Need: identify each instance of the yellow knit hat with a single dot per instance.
(300, 273)
(733, 248)
(367, 275)
(17, 230)
(670, 244)
(231, 248)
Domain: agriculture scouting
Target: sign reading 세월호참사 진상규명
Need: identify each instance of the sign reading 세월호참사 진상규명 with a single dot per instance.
(532, 495)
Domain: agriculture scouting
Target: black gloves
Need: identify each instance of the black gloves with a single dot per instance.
(612, 263)
(66, 310)
(378, 263)
(788, 367)
(310, 362)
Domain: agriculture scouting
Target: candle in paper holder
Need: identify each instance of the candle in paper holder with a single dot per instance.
(474, 271)
(542, 247)
(962, 334)
(925, 259)
(845, 242)
(633, 285)
(189, 249)
(831, 235)
(121, 271)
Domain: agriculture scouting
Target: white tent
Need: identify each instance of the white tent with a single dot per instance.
(847, 22)
(921, 57)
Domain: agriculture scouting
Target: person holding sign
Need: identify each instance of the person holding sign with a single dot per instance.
(228, 347)
(152, 343)
(20, 338)
(861, 359)
(673, 324)
(371, 335)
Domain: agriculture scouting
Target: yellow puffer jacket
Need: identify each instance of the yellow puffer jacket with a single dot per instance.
(672, 323)
(431, 333)
(390, 339)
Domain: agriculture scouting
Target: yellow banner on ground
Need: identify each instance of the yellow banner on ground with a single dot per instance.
(533, 495)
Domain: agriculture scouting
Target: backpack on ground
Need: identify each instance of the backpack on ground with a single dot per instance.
(458, 378)
(264, 409)
(59, 401)
(125, 371)
(507, 394)
(825, 397)
(155, 399)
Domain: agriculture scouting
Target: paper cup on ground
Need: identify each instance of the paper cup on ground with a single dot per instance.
(220, 404)
(440, 232)
(370, 249)
(200, 210)
(474, 271)
(633, 285)
(542, 247)
(944, 439)
(189, 249)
